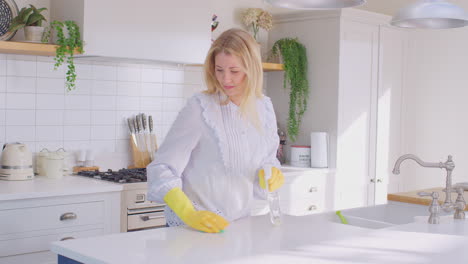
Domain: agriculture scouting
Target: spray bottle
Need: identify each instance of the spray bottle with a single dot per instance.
(273, 199)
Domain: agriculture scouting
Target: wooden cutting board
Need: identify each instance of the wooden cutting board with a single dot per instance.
(414, 198)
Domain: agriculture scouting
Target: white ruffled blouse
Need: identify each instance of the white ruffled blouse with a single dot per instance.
(214, 155)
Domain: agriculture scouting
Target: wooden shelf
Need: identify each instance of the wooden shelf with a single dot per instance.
(27, 48)
(267, 66)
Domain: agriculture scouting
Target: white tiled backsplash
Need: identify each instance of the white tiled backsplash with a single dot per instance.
(36, 109)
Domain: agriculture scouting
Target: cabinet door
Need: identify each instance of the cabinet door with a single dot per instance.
(357, 110)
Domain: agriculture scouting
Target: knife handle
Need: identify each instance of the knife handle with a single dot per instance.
(138, 123)
(130, 125)
(150, 121)
(143, 121)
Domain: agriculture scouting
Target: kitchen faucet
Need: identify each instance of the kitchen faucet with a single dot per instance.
(448, 205)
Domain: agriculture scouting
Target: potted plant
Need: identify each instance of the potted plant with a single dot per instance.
(31, 20)
(294, 57)
(68, 41)
(257, 18)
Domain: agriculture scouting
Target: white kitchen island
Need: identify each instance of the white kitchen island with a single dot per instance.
(300, 239)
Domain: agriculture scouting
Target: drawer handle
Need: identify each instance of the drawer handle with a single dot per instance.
(313, 189)
(150, 217)
(66, 238)
(312, 208)
(67, 216)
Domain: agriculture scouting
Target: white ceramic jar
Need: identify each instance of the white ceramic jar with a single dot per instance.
(300, 156)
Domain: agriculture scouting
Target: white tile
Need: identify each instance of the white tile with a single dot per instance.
(20, 118)
(50, 86)
(165, 130)
(2, 135)
(21, 68)
(151, 89)
(122, 146)
(128, 88)
(49, 117)
(171, 76)
(173, 90)
(46, 69)
(20, 101)
(128, 103)
(77, 117)
(99, 102)
(103, 133)
(122, 132)
(152, 75)
(83, 87)
(104, 88)
(77, 102)
(2, 117)
(3, 67)
(50, 101)
(103, 118)
(169, 117)
(49, 133)
(3, 84)
(130, 74)
(121, 117)
(103, 146)
(3, 56)
(190, 90)
(104, 72)
(75, 146)
(173, 66)
(21, 57)
(49, 59)
(84, 71)
(76, 133)
(192, 77)
(21, 84)
(20, 133)
(50, 145)
(151, 103)
(2, 100)
(173, 104)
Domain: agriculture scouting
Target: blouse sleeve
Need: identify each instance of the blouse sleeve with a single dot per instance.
(273, 144)
(165, 172)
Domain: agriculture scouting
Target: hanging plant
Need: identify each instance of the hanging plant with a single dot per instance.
(294, 58)
(66, 48)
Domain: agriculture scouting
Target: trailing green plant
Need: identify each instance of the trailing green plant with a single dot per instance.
(30, 16)
(294, 58)
(66, 48)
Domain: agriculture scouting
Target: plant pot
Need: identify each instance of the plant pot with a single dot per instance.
(33, 34)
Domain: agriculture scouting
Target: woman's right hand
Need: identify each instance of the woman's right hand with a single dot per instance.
(206, 221)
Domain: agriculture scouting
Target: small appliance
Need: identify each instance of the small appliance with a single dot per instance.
(16, 162)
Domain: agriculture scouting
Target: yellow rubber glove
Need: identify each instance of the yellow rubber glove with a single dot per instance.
(205, 221)
(275, 182)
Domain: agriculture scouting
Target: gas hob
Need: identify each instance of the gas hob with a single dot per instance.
(120, 176)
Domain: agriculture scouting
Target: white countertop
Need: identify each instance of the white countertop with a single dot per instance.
(305, 239)
(41, 187)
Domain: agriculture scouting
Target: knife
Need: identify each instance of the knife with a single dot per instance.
(154, 144)
(132, 131)
(147, 136)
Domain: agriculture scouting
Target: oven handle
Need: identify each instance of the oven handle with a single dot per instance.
(150, 217)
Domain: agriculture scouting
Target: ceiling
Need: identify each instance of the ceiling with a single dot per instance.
(388, 7)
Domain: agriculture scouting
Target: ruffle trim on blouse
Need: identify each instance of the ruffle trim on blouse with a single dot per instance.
(212, 116)
(269, 121)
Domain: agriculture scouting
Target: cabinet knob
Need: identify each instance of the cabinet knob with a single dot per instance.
(376, 180)
(66, 238)
(313, 189)
(312, 208)
(68, 216)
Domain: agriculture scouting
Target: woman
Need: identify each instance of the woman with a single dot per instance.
(206, 169)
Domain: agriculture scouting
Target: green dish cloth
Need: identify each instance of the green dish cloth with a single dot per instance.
(342, 218)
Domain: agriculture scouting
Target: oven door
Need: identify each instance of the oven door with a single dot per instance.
(145, 218)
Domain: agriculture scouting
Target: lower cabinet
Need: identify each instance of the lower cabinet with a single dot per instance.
(303, 193)
(29, 226)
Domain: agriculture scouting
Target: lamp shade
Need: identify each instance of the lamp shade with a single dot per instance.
(315, 4)
(431, 14)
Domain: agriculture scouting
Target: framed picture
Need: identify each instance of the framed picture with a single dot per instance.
(8, 10)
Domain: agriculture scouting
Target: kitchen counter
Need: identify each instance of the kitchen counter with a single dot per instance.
(305, 239)
(414, 198)
(41, 187)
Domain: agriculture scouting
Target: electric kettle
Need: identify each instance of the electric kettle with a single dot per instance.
(16, 163)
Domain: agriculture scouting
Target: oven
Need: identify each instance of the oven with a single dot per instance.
(139, 213)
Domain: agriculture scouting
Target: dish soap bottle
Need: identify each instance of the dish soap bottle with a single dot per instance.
(273, 199)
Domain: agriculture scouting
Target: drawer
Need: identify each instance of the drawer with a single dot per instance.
(41, 243)
(303, 189)
(51, 217)
(146, 220)
(302, 207)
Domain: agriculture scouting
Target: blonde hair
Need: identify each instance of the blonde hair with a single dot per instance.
(240, 43)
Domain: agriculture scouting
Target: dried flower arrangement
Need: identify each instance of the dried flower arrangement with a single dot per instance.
(257, 18)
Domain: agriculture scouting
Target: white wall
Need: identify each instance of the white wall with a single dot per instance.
(435, 106)
(36, 109)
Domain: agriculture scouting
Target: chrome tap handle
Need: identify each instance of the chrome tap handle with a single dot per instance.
(460, 204)
(434, 208)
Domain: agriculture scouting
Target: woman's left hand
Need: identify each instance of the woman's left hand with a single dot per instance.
(275, 182)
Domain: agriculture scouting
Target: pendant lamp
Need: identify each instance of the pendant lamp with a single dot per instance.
(431, 14)
(315, 4)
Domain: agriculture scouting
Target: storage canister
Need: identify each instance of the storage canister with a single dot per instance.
(300, 156)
